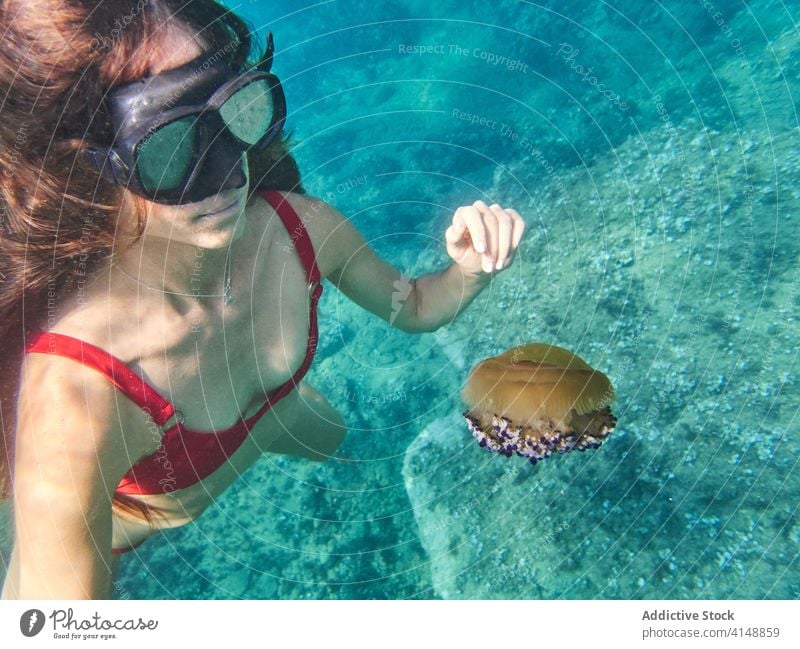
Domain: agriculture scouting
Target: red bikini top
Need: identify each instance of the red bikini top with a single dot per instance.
(186, 456)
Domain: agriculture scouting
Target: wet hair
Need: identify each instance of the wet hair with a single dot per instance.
(58, 217)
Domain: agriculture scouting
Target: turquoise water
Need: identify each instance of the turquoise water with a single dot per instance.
(661, 203)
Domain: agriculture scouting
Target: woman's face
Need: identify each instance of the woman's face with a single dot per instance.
(209, 223)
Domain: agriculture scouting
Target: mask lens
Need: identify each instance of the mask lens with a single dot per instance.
(249, 112)
(164, 158)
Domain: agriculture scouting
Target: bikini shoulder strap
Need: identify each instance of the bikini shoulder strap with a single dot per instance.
(297, 232)
(130, 383)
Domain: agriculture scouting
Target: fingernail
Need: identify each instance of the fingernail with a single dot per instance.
(500, 265)
(487, 266)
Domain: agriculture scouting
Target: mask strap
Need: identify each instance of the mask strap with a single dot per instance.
(107, 162)
(265, 63)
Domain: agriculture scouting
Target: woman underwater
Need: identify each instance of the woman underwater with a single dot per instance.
(154, 235)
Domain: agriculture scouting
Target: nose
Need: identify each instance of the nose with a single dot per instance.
(222, 168)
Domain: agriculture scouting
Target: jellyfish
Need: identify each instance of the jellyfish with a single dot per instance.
(536, 400)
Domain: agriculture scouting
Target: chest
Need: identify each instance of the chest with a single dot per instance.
(223, 364)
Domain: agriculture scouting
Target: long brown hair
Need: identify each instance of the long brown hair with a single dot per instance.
(57, 215)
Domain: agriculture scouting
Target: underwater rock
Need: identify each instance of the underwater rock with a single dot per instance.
(488, 528)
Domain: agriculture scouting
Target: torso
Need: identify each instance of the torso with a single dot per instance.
(218, 365)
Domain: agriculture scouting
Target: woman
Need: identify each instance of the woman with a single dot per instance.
(156, 235)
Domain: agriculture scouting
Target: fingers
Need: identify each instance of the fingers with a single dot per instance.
(473, 220)
(459, 225)
(494, 232)
(504, 229)
(456, 231)
(519, 227)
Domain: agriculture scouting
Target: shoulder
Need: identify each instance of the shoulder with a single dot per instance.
(324, 224)
(70, 413)
(105, 312)
(70, 452)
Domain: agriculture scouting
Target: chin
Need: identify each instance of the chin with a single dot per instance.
(216, 233)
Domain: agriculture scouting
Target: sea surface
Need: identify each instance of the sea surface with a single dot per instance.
(652, 149)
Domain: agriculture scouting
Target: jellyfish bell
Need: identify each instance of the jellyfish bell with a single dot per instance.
(537, 399)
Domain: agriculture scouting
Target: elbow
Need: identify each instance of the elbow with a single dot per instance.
(410, 319)
(415, 326)
(425, 328)
(404, 325)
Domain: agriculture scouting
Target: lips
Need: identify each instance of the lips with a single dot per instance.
(221, 210)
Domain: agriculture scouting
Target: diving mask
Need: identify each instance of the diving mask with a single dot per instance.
(180, 135)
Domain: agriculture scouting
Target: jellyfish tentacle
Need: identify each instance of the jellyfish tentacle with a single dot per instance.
(498, 434)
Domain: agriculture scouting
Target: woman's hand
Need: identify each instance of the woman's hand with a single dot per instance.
(483, 238)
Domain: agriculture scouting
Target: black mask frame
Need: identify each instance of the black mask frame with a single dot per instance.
(200, 88)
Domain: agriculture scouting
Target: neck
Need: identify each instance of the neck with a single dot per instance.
(181, 269)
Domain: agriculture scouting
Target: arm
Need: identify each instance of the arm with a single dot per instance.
(428, 302)
(69, 458)
(440, 297)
